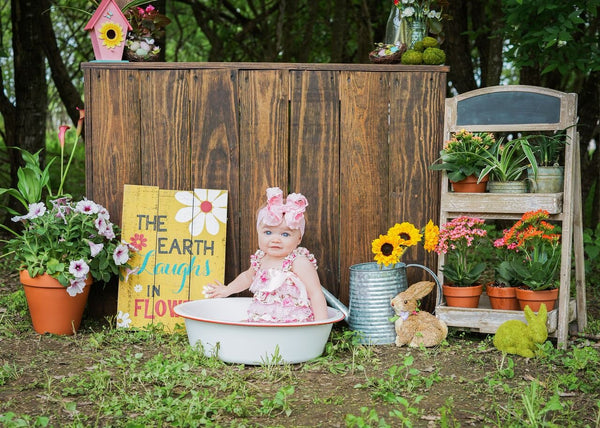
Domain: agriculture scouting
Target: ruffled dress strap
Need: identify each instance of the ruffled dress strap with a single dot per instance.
(299, 251)
(256, 259)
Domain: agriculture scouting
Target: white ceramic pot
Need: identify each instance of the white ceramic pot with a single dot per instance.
(220, 326)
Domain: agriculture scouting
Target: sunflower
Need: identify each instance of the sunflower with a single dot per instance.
(432, 235)
(387, 249)
(408, 234)
(111, 34)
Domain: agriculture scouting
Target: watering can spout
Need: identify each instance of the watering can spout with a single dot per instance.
(334, 302)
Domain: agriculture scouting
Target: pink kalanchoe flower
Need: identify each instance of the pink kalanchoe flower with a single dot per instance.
(121, 255)
(79, 268)
(62, 129)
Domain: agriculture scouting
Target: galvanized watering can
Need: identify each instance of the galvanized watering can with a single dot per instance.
(371, 290)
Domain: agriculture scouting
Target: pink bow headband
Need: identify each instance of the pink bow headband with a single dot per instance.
(276, 210)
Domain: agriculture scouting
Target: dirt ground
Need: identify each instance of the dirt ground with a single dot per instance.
(470, 383)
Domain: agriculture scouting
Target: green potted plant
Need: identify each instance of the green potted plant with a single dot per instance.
(502, 291)
(507, 164)
(61, 245)
(534, 247)
(463, 158)
(458, 240)
(549, 176)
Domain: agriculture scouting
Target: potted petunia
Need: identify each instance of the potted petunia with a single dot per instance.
(60, 246)
(463, 158)
(458, 241)
(534, 244)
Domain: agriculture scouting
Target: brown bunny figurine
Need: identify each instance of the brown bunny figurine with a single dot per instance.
(413, 327)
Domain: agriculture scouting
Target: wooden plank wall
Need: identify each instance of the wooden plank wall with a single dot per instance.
(356, 140)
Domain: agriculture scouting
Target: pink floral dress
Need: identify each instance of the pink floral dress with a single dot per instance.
(279, 294)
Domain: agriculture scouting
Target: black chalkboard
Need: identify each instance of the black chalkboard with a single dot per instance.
(508, 108)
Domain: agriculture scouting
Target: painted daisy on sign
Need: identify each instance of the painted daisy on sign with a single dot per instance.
(205, 208)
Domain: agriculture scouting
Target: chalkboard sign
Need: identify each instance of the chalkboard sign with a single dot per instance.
(508, 108)
(180, 242)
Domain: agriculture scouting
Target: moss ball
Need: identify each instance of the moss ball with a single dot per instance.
(419, 46)
(434, 56)
(412, 57)
(430, 42)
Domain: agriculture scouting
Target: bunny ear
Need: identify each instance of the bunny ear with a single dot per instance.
(543, 313)
(420, 289)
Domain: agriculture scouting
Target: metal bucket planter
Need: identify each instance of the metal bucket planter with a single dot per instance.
(371, 289)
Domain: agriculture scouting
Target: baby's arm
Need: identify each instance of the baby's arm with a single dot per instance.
(308, 275)
(241, 283)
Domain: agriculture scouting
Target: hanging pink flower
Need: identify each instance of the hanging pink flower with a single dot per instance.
(62, 129)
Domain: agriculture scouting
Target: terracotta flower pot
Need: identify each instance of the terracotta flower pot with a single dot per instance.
(534, 299)
(503, 298)
(470, 185)
(52, 309)
(462, 297)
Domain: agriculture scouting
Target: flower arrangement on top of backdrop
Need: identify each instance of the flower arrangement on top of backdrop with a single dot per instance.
(420, 10)
(148, 25)
(68, 240)
(389, 248)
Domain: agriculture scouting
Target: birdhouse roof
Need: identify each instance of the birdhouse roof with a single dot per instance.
(102, 7)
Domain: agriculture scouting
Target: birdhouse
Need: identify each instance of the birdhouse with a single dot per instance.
(108, 29)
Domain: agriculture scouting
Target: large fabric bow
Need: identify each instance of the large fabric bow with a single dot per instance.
(292, 210)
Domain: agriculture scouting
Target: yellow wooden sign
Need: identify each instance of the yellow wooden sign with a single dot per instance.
(180, 238)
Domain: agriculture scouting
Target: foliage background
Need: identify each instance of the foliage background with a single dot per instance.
(549, 43)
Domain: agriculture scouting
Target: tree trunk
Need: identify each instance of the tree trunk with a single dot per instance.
(458, 48)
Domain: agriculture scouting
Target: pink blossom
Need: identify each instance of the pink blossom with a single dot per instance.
(79, 268)
(76, 287)
(95, 248)
(121, 255)
(62, 129)
(86, 207)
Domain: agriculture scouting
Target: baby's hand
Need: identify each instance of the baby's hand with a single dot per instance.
(215, 290)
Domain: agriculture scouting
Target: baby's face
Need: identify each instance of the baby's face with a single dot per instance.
(278, 241)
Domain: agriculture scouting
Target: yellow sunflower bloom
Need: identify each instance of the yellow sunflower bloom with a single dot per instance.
(407, 233)
(387, 249)
(111, 35)
(432, 235)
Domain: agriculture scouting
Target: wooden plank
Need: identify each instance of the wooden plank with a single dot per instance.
(314, 164)
(502, 203)
(364, 170)
(484, 319)
(215, 147)
(267, 66)
(164, 123)
(263, 137)
(414, 145)
(112, 146)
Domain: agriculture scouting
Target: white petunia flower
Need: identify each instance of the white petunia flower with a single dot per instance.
(76, 287)
(205, 208)
(79, 268)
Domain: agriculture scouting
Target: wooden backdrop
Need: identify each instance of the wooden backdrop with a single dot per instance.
(357, 140)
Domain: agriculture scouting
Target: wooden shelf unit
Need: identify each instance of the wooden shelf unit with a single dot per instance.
(520, 108)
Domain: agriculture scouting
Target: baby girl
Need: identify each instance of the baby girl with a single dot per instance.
(282, 276)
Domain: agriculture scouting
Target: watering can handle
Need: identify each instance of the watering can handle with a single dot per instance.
(436, 279)
(334, 302)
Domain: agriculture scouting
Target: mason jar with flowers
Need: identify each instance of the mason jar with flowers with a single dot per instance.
(411, 20)
(535, 258)
(464, 157)
(458, 241)
(61, 246)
